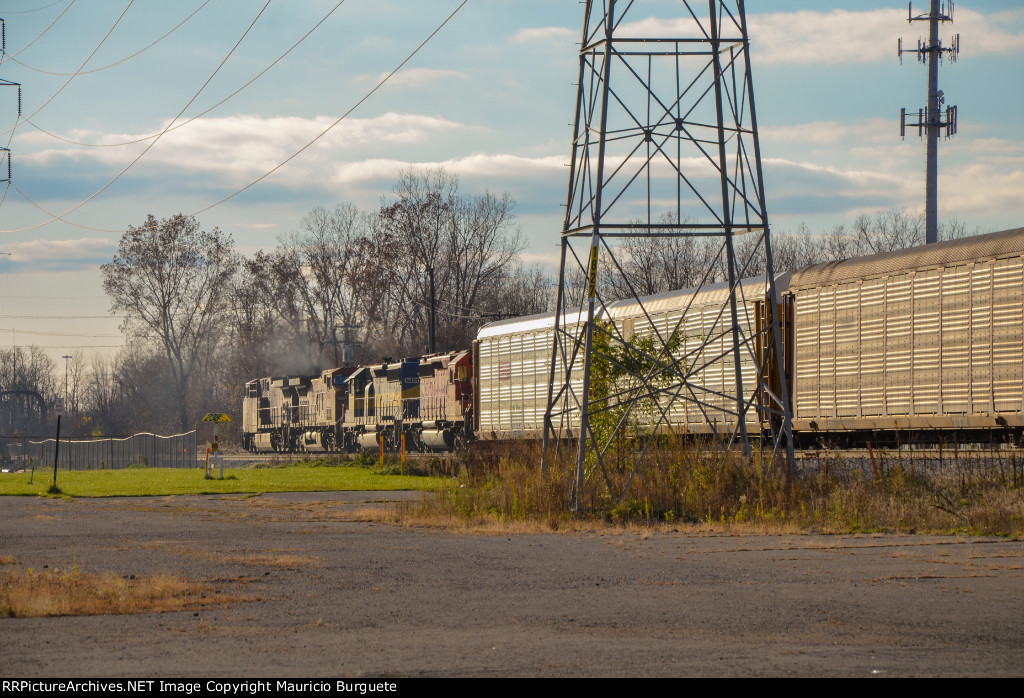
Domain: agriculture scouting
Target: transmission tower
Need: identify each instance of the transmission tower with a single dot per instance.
(930, 121)
(5, 153)
(665, 148)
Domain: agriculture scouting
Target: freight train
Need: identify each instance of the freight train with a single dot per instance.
(926, 342)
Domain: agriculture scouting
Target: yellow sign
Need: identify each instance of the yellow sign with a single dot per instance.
(593, 271)
(216, 417)
(214, 446)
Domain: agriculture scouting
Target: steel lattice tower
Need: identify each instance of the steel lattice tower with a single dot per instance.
(665, 147)
(5, 153)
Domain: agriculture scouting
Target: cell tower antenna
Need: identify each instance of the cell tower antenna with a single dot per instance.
(664, 152)
(5, 153)
(931, 121)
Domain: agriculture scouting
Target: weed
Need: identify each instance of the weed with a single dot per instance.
(60, 593)
(683, 481)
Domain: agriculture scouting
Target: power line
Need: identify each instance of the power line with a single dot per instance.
(200, 114)
(380, 83)
(37, 9)
(148, 147)
(57, 317)
(77, 298)
(61, 334)
(126, 58)
(6, 151)
(38, 36)
(70, 346)
(73, 75)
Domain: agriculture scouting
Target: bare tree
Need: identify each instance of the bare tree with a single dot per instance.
(29, 368)
(170, 279)
(330, 267)
(892, 229)
(649, 264)
(450, 251)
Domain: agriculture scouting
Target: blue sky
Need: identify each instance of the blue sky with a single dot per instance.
(490, 97)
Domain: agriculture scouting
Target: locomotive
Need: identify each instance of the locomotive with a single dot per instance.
(926, 342)
(423, 403)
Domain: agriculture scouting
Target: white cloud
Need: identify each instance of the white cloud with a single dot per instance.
(981, 188)
(863, 179)
(414, 77)
(245, 146)
(548, 260)
(552, 34)
(477, 165)
(820, 134)
(61, 251)
(842, 36)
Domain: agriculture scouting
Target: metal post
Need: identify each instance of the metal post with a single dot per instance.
(56, 452)
(730, 252)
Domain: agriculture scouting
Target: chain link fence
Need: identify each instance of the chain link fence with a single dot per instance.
(137, 451)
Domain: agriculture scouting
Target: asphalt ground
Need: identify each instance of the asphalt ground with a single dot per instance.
(330, 596)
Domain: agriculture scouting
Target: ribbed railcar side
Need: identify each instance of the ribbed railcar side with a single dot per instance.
(514, 362)
(705, 401)
(928, 338)
(513, 371)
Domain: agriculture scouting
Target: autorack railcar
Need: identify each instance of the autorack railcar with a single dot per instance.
(924, 343)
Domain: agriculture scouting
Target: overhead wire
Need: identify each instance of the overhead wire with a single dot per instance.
(126, 58)
(340, 118)
(202, 113)
(456, 315)
(58, 317)
(380, 83)
(148, 147)
(35, 9)
(58, 298)
(38, 36)
(67, 82)
(71, 346)
(64, 334)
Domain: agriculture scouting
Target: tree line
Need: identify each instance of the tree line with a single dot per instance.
(426, 269)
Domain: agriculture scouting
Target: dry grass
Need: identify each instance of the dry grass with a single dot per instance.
(273, 558)
(27, 593)
(709, 489)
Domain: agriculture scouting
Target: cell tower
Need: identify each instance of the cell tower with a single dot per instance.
(665, 149)
(5, 153)
(930, 121)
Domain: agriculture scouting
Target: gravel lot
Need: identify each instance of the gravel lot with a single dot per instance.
(331, 597)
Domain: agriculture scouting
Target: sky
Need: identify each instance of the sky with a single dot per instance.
(490, 97)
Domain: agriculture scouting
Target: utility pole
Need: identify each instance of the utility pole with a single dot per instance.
(348, 349)
(5, 153)
(433, 311)
(930, 121)
(66, 357)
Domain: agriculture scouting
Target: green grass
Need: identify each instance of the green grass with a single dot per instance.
(142, 482)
